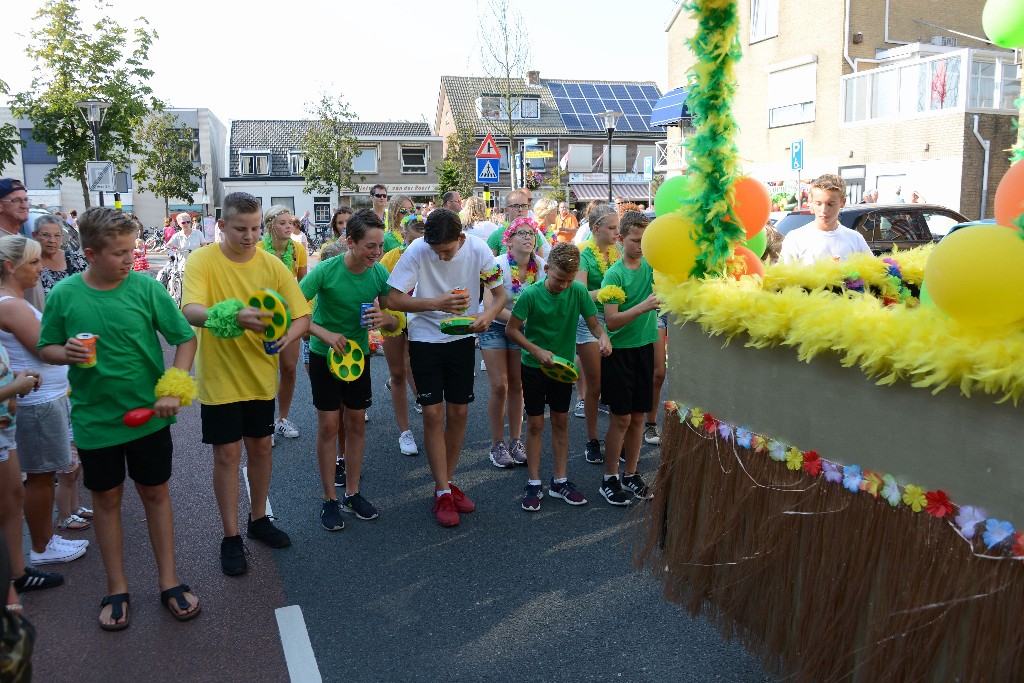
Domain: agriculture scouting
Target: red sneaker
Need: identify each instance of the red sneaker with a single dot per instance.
(444, 510)
(462, 501)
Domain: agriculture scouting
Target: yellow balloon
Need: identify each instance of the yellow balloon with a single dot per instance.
(976, 275)
(668, 244)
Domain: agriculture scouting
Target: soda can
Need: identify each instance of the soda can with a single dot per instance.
(363, 310)
(462, 291)
(268, 346)
(89, 340)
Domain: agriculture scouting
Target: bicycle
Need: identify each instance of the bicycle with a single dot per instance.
(171, 275)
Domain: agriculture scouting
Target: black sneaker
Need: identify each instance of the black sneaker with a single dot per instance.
(622, 456)
(36, 579)
(359, 506)
(635, 484)
(263, 530)
(593, 452)
(339, 474)
(232, 556)
(612, 491)
(330, 516)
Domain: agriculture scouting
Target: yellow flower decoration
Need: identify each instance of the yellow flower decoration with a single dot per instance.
(611, 294)
(871, 483)
(914, 497)
(177, 382)
(402, 322)
(794, 458)
(696, 418)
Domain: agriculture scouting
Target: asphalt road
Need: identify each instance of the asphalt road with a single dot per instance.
(507, 595)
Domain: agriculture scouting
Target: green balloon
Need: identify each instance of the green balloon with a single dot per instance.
(670, 195)
(758, 243)
(1003, 21)
(926, 298)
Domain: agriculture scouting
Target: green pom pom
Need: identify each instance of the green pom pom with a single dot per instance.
(222, 319)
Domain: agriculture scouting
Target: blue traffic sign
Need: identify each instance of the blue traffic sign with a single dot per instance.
(487, 171)
(797, 155)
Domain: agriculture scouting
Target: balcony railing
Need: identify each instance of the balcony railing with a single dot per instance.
(670, 156)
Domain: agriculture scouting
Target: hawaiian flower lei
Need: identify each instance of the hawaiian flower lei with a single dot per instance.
(531, 274)
(602, 263)
(289, 252)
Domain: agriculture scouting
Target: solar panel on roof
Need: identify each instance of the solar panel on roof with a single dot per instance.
(635, 92)
(563, 105)
(604, 91)
(650, 92)
(622, 123)
(573, 90)
(637, 123)
(582, 105)
(627, 107)
(589, 91)
(571, 121)
(591, 123)
(556, 89)
(620, 92)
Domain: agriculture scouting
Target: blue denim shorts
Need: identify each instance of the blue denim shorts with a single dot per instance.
(494, 339)
(304, 351)
(663, 321)
(583, 335)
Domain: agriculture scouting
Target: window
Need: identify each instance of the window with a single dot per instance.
(529, 108)
(505, 164)
(618, 158)
(537, 164)
(644, 151)
(414, 159)
(496, 107)
(994, 84)
(366, 161)
(764, 19)
(254, 163)
(581, 159)
(284, 201)
(944, 83)
(297, 162)
(322, 210)
(791, 95)
(192, 135)
(1010, 88)
(939, 223)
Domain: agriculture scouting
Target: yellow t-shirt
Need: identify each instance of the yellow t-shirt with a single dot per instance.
(234, 370)
(389, 259)
(301, 256)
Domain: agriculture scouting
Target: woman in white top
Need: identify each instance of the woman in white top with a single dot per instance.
(42, 418)
(476, 222)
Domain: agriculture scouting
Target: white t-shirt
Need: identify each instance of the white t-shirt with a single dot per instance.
(420, 267)
(482, 229)
(186, 244)
(582, 234)
(809, 244)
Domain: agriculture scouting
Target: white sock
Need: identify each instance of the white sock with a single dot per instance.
(533, 482)
(441, 493)
(561, 481)
(610, 476)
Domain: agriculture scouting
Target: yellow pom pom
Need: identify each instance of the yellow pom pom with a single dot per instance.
(611, 293)
(177, 382)
(402, 322)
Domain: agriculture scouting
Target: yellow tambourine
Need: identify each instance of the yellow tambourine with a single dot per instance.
(348, 366)
(562, 370)
(269, 301)
(457, 325)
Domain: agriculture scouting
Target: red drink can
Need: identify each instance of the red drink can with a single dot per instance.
(89, 340)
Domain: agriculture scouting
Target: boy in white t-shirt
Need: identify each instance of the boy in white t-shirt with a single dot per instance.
(446, 268)
(824, 238)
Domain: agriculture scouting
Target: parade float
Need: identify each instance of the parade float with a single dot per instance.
(841, 473)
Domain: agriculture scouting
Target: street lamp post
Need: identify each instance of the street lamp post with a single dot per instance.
(609, 124)
(93, 112)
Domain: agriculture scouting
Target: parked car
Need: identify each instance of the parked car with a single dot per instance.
(70, 239)
(984, 221)
(887, 225)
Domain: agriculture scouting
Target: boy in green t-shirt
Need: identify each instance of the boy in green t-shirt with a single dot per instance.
(627, 376)
(341, 287)
(544, 307)
(125, 311)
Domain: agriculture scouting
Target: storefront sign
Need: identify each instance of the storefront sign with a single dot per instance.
(424, 188)
(603, 178)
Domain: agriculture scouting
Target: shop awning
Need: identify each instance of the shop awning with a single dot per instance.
(670, 109)
(587, 192)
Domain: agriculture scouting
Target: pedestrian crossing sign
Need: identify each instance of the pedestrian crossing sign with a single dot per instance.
(487, 170)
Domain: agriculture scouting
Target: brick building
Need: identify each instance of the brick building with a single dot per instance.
(883, 100)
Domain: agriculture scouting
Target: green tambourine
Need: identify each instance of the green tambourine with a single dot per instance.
(562, 370)
(348, 366)
(457, 325)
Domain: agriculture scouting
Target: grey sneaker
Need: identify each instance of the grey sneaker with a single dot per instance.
(651, 435)
(517, 449)
(579, 412)
(500, 455)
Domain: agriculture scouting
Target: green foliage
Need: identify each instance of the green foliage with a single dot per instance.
(165, 165)
(557, 180)
(104, 61)
(10, 138)
(330, 147)
(457, 170)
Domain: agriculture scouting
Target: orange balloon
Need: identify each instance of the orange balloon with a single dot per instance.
(752, 204)
(745, 262)
(1010, 196)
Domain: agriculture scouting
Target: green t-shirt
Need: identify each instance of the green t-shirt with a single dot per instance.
(588, 262)
(340, 293)
(391, 241)
(638, 285)
(550, 317)
(129, 356)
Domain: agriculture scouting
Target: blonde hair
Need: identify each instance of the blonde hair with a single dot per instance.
(475, 210)
(272, 213)
(830, 182)
(543, 206)
(100, 224)
(394, 204)
(17, 249)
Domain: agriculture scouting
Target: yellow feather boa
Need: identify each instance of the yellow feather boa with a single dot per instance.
(611, 293)
(177, 382)
(919, 345)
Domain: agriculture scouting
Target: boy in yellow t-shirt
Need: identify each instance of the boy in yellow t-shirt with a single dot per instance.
(237, 377)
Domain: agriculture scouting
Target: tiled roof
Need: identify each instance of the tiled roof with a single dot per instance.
(462, 92)
(281, 136)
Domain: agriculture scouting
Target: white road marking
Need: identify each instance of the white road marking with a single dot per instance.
(248, 492)
(298, 651)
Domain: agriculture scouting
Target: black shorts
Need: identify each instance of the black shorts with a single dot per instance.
(229, 422)
(540, 390)
(627, 380)
(443, 372)
(329, 392)
(148, 461)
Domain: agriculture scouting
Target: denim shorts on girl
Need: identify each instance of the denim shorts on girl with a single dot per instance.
(583, 335)
(494, 339)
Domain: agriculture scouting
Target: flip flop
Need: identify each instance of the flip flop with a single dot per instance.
(74, 523)
(118, 601)
(178, 593)
(84, 512)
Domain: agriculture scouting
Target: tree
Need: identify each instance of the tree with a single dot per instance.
(457, 170)
(10, 139)
(505, 57)
(165, 166)
(330, 147)
(74, 64)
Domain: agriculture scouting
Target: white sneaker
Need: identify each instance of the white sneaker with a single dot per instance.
(579, 412)
(483, 365)
(286, 429)
(55, 553)
(69, 542)
(407, 442)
